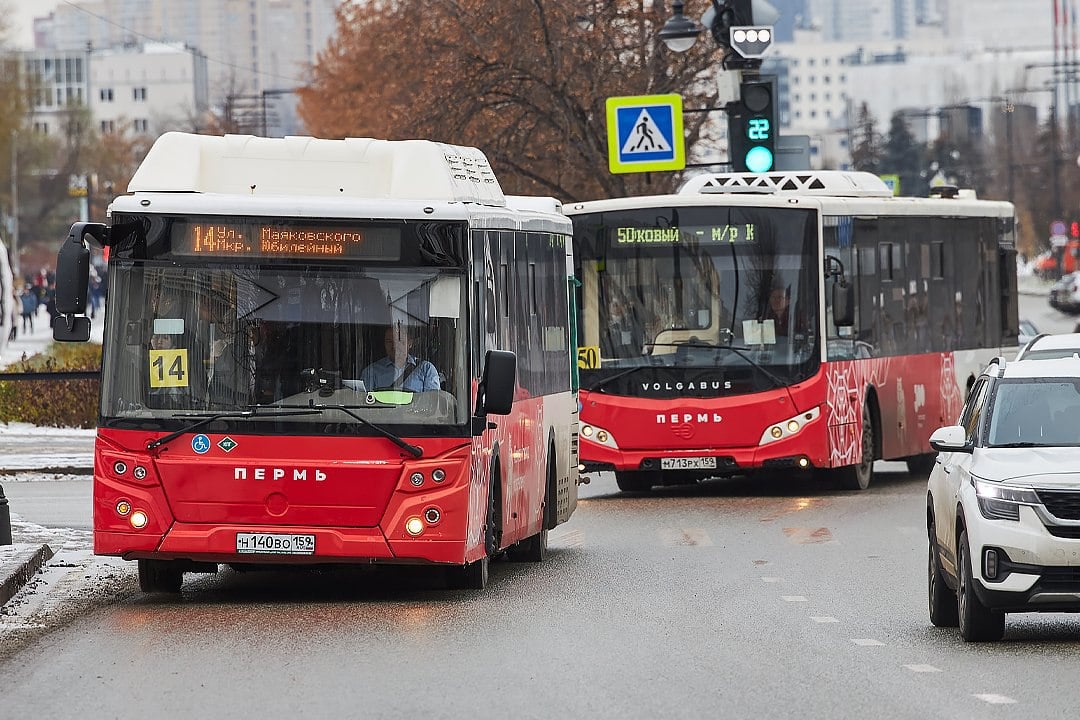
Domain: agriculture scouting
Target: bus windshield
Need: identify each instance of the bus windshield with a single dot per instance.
(669, 291)
(380, 343)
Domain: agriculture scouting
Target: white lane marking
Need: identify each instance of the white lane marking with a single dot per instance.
(20, 626)
(566, 539)
(772, 579)
(868, 642)
(922, 668)
(690, 537)
(823, 619)
(995, 699)
(794, 598)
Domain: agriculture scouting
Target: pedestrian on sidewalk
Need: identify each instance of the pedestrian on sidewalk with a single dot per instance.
(29, 301)
(16, 311)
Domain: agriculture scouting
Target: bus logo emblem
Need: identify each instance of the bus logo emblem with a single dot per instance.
(227, 443)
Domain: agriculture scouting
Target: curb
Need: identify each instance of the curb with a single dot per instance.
(48, 470)
(19, 563)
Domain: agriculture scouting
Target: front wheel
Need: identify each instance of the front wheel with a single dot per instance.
(531, 549)
(943, 601)
(160, 576)
(858, 477)
(978, 623)
(473, 576)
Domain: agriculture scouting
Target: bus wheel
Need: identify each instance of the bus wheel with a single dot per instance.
(159, 576)
(858, 477)
(473, 576)
(531, 549)
(921, 465)
(636, 480)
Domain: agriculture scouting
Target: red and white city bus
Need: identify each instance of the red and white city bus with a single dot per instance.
(327, 351)
(785, 320)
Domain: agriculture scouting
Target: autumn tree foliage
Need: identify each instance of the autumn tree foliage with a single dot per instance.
(524, 80)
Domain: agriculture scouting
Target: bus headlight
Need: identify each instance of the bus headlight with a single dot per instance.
(139, 519)
(789, 427)
(414, 526)
(599, 435)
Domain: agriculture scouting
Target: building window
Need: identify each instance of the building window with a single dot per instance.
(138, 93)
(107, 126)
(141, 125)
(106, 94)
(41, 127)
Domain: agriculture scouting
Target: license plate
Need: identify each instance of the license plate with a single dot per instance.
(688, 463)
(274, 544)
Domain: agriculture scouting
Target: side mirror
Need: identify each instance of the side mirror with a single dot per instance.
(71, 328)
(843, 303)
(952, 438)
(495, 395)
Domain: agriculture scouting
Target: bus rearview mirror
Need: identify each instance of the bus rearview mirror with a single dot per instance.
(843, 303)
(497, 387)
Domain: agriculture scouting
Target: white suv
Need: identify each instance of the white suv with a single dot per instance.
(1003, 500)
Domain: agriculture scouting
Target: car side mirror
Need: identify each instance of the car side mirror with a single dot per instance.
(952, 438)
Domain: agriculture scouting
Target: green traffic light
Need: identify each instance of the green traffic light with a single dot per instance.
(759, 159)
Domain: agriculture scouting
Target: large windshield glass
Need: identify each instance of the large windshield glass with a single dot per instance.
(1035, 411)
(385, 342)
(680, 298)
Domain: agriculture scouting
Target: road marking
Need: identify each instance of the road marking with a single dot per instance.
(868, 642)
(20, 626)
(809, 536)
(922, 668)
(772, 579)
(794, 598)
(995, 699)
(684, 537)
(823, 619)
(567, 539)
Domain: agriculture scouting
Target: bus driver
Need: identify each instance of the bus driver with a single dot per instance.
(399, 369)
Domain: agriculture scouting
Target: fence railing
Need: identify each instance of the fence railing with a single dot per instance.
(57, 375)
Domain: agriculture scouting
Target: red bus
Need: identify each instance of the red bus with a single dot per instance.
(327, 351)
(805, 321)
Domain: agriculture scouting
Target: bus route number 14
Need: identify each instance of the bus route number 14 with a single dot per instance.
(169, 368)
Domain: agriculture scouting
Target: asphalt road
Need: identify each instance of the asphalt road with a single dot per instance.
(769, 597)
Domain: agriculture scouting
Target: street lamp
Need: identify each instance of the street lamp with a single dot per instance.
(679, 32)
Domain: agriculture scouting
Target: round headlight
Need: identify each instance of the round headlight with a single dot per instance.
(119, 467)
(793, 426)
(432, 515)
(438, 475)
(602, 436)
(123, 507)
(586, 430)
(139, 519)
(776, 432)
(417, 479)
(414, 526)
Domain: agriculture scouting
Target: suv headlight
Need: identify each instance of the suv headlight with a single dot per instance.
(1002, 502)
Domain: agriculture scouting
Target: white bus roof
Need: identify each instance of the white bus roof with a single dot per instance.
(833, 192)
(304, 166)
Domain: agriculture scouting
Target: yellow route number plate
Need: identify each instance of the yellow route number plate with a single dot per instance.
(588, 358)
(169, 368)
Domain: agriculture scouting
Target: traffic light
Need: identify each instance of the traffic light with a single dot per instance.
(752, 126)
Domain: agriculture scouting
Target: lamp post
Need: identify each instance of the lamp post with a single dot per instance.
(679, 32)
(15, 269)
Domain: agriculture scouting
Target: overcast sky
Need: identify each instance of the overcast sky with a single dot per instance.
(22, 23)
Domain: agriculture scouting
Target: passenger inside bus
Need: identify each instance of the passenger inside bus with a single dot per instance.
(399, 368)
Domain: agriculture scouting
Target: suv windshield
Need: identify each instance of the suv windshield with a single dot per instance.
(1036, 411)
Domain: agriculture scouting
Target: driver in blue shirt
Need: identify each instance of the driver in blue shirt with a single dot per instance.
(399, 369)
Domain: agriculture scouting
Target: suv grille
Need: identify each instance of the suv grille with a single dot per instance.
(1064, 504)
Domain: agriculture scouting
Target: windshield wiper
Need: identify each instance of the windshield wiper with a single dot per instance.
(1020, 445)
(415, 450)
(207, 419)
(623, 373)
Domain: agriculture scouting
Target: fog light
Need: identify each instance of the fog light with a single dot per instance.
(138, 519)
(432, 515)
(602, 436)
(119, 467)
(438, 475)
(776, 432)
(587, 430)
(414, 526)
(793, 426)
(123, 507)
(990, 563)
(417, 479)
(804, 463)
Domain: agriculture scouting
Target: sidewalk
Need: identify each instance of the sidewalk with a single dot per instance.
(1032, 285)
(32, 453)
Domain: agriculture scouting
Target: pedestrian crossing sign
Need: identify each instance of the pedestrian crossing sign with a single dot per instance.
(645, 133)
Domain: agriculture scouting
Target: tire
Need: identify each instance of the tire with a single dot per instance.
(160, 576)
(531, 549)
(978, 623)
(944, 610)
(858, 477)
(474, 575)
(636, 481)
(921, 465)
